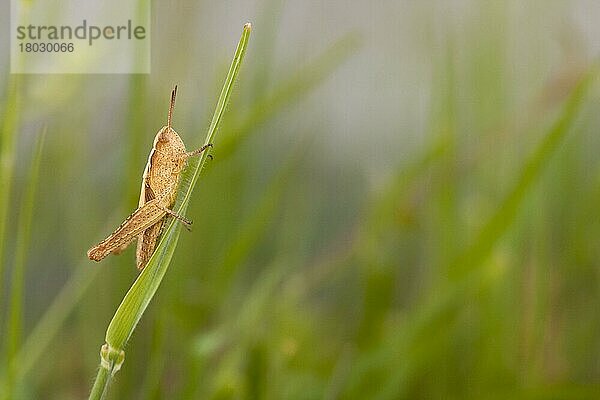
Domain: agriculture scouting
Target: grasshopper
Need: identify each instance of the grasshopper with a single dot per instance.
(160, 181)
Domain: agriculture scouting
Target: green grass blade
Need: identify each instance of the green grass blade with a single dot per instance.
(143, 289)
(252, 229)
(506, 213)
(55, 316)
(410, 344)
(141, 292)
(49, 325)
(7, 160)
(18, 273)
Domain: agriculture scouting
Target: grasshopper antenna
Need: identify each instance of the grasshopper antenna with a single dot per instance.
(171, 106)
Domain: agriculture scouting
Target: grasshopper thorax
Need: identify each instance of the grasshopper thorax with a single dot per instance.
(166, 163)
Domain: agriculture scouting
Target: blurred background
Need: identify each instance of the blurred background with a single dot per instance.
(403, 203)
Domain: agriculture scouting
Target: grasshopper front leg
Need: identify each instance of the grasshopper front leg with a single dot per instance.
(197, 151)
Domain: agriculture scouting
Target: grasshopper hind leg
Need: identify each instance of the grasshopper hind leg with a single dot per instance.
(121, 249)
(146, 245)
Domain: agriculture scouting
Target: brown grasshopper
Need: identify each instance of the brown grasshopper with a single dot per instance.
(159, 190)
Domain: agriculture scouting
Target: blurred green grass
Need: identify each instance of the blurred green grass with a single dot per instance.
(467, 270)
